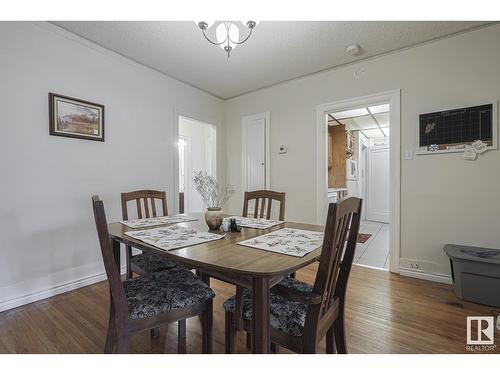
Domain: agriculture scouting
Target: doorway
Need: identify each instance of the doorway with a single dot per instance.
(366, 160)
(197, 152)
(372, 169)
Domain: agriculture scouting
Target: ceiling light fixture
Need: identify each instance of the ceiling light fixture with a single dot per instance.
(227, 34)
(353, 49)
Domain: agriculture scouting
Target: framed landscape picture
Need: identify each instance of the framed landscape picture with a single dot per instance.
(75, 118)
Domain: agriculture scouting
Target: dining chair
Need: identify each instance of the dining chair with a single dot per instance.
(144, 263)
(149, 301)
(302, 314)
(263, 209)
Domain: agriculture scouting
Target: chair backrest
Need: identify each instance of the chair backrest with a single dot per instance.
(261, 196)
(110, 264)
(337, 255)
(144, 199)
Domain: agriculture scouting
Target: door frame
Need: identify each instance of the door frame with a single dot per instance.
(369, 174)
(266, 116)
(175, 157)
(363, 158)
(392, 97)
(187, 180)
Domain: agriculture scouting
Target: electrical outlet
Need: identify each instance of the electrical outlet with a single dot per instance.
(415, 266)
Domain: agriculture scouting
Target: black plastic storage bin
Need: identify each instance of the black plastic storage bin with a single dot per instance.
(476, 273)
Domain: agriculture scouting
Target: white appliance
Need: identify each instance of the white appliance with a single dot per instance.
(351, 170)
(333, 194)
(332, 197)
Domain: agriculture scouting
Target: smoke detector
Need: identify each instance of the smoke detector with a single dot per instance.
(353, 49)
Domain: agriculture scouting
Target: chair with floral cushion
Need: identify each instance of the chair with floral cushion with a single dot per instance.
(145, 263)
(141, 303)
(301, 314)
(262, 201)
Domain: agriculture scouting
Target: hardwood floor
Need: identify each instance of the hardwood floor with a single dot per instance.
(385, 314)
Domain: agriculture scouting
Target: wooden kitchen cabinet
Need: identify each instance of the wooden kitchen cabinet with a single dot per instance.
(330, 146)
(337, 147)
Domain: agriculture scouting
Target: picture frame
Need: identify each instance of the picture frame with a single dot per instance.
(75, 118)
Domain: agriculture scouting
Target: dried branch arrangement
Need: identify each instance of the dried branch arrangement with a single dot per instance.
(214, 195)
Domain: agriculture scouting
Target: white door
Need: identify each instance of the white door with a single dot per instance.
(362, 175)
(377, 184)
(255, 152)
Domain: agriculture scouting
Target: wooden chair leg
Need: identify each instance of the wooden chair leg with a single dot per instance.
(111, 334)
(309, 348)
(249, 340)
(181, 337)
(339, 331)
(230, 341)
(123, 341)
(155, 332)
(207, 326)
(330, 341)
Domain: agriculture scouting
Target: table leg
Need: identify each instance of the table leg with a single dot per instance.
(111, 334)
(204, 277)
(261, 328)
(116, 254)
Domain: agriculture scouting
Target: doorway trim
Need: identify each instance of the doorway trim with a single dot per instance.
(392, 97)
(187, 182)
(244, 123)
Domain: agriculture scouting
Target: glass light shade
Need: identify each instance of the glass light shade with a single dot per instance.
(221, 34)
(246, 22)
(209, 23)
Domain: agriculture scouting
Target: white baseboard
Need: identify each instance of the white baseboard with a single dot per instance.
(436, 277)
(52, 291)
(98, 277)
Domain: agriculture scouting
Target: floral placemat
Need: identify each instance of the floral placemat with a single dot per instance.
(256, 223)
(288, 241)
(173, 237)
(160, 220)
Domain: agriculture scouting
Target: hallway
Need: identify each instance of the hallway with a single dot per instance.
(375, 251)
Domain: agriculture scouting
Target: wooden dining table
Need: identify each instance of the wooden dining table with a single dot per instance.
(225, 260)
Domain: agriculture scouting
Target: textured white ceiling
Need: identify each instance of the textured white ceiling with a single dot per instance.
(276, 52)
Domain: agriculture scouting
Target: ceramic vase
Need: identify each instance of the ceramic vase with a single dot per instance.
(213, 217)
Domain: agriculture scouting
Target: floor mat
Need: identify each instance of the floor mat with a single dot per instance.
(363, 237)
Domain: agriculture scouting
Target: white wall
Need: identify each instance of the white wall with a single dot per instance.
(201, 140)
(46, 223)
(443, 198)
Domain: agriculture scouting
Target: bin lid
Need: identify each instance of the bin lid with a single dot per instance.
(476, 254)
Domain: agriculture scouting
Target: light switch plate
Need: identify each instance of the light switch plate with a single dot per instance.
(408, 154)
